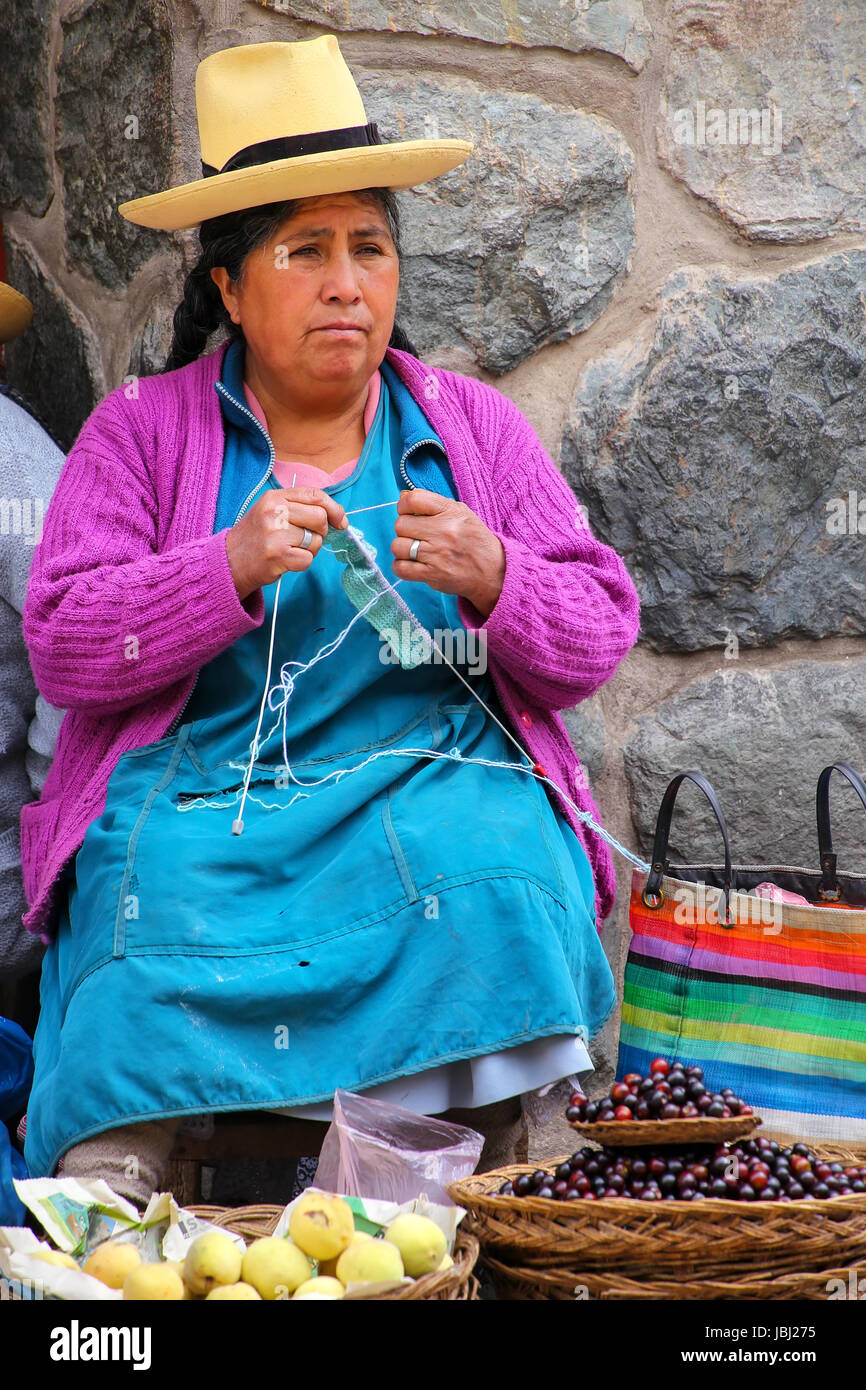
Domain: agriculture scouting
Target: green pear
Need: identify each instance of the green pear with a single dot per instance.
(420, 1241)
(320, 1287)
(234, 1293)
(275, 1267)
(112, 1261)
(329, 1267)
(370, 1262)
(154, 1283)
(322, 1224)
(211, 1259)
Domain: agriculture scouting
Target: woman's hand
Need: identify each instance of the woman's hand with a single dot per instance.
(266, 542)
(457, 553)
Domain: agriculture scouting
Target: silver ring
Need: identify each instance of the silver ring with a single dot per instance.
(413, 550)
(305, 543)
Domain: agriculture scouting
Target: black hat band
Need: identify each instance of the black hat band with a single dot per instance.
(291, 146)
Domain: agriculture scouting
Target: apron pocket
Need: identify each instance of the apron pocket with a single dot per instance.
(450, 822)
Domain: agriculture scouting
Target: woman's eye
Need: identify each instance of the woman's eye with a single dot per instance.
(301, 249)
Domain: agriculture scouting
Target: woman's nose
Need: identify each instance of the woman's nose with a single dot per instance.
(341, 279)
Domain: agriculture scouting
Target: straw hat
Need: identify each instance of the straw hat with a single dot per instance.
(16, 311)
(286, 120)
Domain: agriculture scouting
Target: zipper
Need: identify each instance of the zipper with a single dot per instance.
(271, 456)
(271, 450)
(418, 442)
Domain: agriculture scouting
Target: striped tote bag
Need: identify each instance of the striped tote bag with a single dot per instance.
(764, 991)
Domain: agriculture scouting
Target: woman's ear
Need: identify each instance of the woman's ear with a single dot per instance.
(220, 277)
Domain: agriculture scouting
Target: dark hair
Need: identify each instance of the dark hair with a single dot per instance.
(227, 241)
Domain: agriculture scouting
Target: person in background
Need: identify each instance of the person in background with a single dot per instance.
(30, 465)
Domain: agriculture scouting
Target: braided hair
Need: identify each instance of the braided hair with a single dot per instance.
(227, 241)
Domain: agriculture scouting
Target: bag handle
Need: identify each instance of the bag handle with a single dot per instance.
(829, 888)
(652, 894)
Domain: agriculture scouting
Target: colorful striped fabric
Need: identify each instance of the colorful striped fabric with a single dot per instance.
(775, 1009)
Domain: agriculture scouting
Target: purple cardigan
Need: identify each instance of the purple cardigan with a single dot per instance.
(130, 592)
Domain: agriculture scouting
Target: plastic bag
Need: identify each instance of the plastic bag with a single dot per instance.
(373, 1149)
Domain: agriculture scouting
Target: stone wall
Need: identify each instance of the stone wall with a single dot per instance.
(658, 250)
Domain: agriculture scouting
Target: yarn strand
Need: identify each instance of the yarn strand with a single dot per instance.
(286, 686)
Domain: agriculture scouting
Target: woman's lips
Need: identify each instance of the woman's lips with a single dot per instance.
(340, 332)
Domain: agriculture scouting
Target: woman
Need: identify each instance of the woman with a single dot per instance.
(283, 851)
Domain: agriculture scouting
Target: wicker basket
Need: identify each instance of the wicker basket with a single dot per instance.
(643, 1134)
(565, 1285)
(674, 1240)
(457, 1284)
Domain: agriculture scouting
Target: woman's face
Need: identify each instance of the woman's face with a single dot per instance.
(332, 261)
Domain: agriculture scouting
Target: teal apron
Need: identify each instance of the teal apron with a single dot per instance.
(415, 912)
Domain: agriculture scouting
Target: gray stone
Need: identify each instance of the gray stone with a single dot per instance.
(153, 343)
(524, 243)
(114, 133)
(797, 171)
(586, 730)
(619, 27)
(54, 363)
(762, 738)
(721, 456)
(25, 109)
